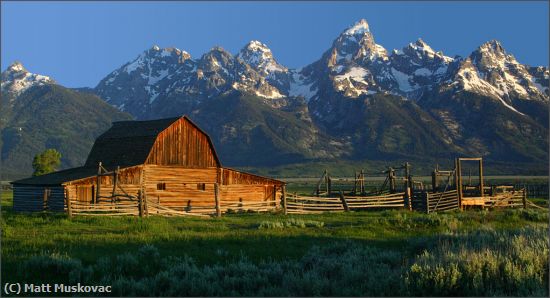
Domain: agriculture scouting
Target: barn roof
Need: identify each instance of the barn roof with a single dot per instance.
(128, 143)
(59, 177)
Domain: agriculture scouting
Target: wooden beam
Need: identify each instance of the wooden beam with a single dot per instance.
(391, 176)
(217, 200)
(470, 158)
(459, 181)
(344, 203)
(284, 200)
(98, 182)
(69, 207)
(524, 198)
(481, 177)
(140, 204)
(115, 180)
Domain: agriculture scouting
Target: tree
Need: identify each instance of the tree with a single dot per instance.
(46, 162)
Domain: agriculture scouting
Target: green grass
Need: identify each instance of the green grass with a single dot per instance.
(262, 241)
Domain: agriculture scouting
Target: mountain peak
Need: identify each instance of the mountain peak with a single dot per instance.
(16, 79)
(361, 27)
(421, 45)
(255, 45)
(492, 46)
(16, 67)
(259, 56)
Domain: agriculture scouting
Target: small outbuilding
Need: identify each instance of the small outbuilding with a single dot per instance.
(171, 162)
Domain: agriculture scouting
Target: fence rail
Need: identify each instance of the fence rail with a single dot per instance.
(144, 207)
(303, 205)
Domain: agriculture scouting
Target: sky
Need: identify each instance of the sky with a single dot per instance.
(79, 43)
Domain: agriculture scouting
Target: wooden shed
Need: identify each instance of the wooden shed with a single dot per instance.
(171, 162)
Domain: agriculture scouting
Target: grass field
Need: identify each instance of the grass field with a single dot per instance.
(379, 253)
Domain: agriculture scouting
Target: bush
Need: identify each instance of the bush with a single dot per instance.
(483, 263)
(298, 223)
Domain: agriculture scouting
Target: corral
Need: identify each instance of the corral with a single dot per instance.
(446, 192)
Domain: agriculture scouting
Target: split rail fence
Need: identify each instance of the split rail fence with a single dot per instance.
(296, 204)
(141, 206)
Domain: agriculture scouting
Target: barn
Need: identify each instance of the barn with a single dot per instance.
(170, 162)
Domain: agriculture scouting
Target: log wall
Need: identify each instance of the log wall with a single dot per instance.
(180, 187)
(30, 198)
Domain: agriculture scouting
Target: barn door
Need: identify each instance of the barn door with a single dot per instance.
(85, 193)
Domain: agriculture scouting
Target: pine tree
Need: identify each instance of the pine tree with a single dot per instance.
(46, 162)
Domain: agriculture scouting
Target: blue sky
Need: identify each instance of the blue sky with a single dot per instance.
(78, 44)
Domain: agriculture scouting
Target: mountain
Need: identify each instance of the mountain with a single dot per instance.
(37, 113)
(357, 102)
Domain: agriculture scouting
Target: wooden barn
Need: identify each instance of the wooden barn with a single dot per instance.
(171, 163)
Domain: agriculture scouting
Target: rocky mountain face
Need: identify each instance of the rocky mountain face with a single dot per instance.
(37, 114)
(359, 101)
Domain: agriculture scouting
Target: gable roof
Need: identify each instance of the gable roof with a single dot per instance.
(128, 143)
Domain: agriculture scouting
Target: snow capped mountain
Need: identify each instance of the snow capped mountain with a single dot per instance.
(491, 72)
(354, 67)
(415, 68)
(16, 80)
(158, 74)
(137, 84)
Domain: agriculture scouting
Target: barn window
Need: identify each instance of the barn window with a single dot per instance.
(201, 186)
(161, 186)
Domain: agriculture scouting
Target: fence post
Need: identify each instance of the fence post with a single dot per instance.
(524, 199)
(408, 198)
(217, 199)
(284, 200)
(344, 203)
(140, 203)
(427, 198)
(146, 207)
(69, 208)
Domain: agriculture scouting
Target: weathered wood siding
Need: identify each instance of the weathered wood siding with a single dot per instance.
(29, 198)
(186, 187)
(182, 144)
(230, 176)
(56, 200)
(182, 186)
(238, 192)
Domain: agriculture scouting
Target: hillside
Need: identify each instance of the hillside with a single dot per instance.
(50, 116)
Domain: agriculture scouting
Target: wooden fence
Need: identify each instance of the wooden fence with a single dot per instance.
(432, 202)
(295, 204)
(517, 198)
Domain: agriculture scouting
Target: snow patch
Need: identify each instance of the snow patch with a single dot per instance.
(402, 80)
(299, 88)
(423, 72)
(355, 73)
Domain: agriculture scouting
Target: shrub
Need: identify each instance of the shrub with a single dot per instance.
(292, 222)
(481, 263)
